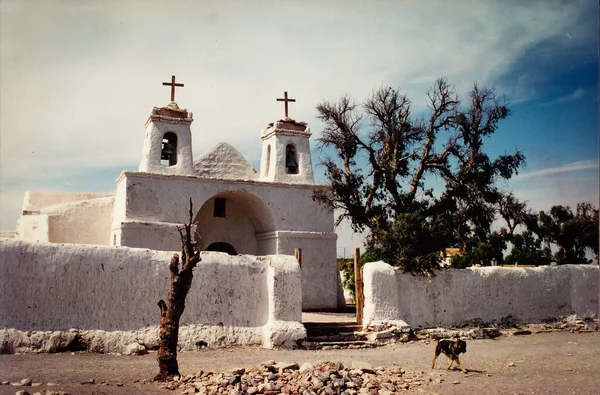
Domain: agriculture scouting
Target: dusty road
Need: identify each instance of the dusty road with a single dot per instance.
(548, 363)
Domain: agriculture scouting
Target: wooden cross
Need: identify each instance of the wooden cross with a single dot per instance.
(286, 100)
(172, 84)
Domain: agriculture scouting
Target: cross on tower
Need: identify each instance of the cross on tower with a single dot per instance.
(172, 84)
(286, 100)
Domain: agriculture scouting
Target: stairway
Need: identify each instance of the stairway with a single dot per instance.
(334, 335)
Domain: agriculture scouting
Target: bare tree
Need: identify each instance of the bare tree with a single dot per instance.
(170, 314)
(383, 156)
(389, 151)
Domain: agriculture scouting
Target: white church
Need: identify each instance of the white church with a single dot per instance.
(238, 210)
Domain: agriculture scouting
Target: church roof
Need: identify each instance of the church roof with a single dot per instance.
(223, 161)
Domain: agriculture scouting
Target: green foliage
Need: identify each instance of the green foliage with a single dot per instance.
(574, 235)
(383, 155)
(346, 266)
(527, 250)
(412, 241)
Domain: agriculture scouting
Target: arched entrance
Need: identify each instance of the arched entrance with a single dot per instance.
(234, 218)
(219, 246)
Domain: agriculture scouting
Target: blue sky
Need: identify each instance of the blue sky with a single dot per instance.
(78, 80)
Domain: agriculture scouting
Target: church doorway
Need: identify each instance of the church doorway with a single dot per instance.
(220, 246)
(235, 218)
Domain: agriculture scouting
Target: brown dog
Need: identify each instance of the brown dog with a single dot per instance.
(451, 348)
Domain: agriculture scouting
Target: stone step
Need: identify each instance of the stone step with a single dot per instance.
(330, 328)
(339, 337)
(313, 345)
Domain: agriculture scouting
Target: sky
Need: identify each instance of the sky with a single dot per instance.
(78, 80)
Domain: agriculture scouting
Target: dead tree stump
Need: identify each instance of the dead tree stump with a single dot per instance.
(170, 313)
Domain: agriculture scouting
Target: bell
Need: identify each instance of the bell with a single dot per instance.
(290, 161)
(290, 157)
(168, 150)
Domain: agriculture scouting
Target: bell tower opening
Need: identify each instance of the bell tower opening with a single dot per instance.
(168, 153)
(291, 159)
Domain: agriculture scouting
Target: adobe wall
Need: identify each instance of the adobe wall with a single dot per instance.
(80, 222)
(262, 218)
(110, 295)
(487, 294)
(164, 198)
(35, 201)
(84, 222)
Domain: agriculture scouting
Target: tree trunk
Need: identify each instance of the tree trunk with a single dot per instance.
(170, 313)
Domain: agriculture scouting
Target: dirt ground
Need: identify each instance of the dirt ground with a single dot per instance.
(545, 363)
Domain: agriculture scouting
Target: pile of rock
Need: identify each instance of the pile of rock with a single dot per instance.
(290, 378)
(380, 333)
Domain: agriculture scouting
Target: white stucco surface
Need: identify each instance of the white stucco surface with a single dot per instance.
(83, 222)
(261, 218)
(273, 159)
(78, 221)
(34, 201)
(100, 290)
(156, 127)
(487, 294)
(33, 228)
(224, 162)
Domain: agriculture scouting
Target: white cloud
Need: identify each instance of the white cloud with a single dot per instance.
(570, 167)
(577, 94)
(79, 79)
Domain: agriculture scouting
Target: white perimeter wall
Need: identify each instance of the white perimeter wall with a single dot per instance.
(489, 294)
(236, 299)
(80, 222)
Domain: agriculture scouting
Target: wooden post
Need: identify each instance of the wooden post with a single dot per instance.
(298, 255)
(358, 287)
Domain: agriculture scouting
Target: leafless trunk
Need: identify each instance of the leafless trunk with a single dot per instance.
(170, 313)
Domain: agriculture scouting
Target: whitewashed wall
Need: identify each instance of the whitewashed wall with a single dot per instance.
(84, 222)
(81, 222)
(34, 201)
(262, 218)
(489, 294)
(234, 300)
(33, 228)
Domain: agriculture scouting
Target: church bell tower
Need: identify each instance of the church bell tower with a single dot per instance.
(286, 151)
(168, 141)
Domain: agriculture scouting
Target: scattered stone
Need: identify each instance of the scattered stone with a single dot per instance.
(233, 371)
(286, 365)
(323, 377)
(119, 384)
(36, 384)
(455, 382)
(135, 349)
(52, 385)
(22, 392)
(26, 382)
(90, 381)
(4, 382)
(522, 332)
(306, 366)
(511, 365)
(364, 366)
